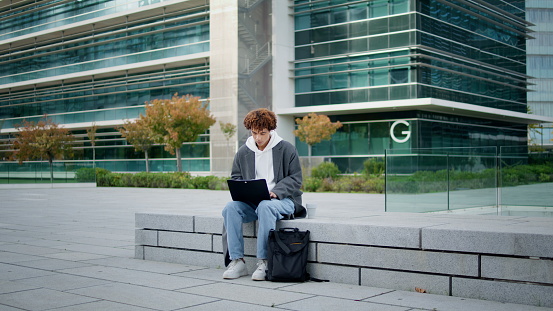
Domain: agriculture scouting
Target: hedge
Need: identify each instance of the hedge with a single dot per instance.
(161, 180)
(325, 178)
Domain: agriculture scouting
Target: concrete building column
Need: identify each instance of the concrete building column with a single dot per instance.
(283, 57)
(223, 81)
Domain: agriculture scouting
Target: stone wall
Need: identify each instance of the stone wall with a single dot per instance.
(472, 259)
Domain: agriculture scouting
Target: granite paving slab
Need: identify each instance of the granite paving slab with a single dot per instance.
(8, 308)
(142, 296)
(321, 303)
(15, 286)
(28, 249)
(75, 256)
(43, 242)
(51, 264)
(149, 279)
(13, 272)
(143, 265)
(42, 299)
(447, 303)
(346, 291)
(102, 305)
(231, 305)
(100, 250)
(9, 257)
(68, 240)
(63, 282)
(242, 293)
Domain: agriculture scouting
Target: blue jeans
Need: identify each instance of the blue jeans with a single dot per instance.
(268, 212)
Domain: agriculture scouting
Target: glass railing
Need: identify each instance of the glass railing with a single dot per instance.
(525, 183)
(83, 171)
(430, 180)
(483, 180)
(40, 172)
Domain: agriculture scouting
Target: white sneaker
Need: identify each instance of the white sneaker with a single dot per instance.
(259, 273)
(236, 269)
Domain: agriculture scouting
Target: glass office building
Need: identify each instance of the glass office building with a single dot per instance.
(453, 72)
(97, 62)
(399, 74)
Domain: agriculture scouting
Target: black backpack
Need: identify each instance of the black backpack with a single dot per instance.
(287, 255)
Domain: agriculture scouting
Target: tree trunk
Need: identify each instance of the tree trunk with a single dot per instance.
(147, 164)
(309, 160)
(50, 161)
(179, 161)
(93, 157)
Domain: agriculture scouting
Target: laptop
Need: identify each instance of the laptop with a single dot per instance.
(249, 191)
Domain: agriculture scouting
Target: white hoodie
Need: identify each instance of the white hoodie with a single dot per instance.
(264, 159)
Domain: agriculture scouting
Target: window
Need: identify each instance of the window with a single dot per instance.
(398, 76)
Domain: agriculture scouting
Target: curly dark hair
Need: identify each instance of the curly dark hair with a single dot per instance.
(260, 119)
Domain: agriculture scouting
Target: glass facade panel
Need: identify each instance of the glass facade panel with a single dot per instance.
(105, 102)
(463, 54)
(540, 67)
(375, 138)
(39, 18)
(128, 43)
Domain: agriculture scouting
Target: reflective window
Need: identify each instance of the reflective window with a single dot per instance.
(65, 13)
(109, 99)
(119, 46)
(373, 138)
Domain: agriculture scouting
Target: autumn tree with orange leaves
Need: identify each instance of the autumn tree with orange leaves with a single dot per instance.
(177, 120)
(138, 134)
(42, 140)
(314, 128)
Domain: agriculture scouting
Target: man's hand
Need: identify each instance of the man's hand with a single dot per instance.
(273, 195)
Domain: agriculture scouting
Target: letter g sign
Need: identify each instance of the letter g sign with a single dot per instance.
(406, 133)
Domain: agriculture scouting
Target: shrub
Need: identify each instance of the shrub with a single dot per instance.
(373, 166)
(347, 184)
(525, 174)
(374, 185)
(203, 182)
(218, 183)
(85, 174)
(181, 180)
(359, 184)
(327, 185)
(101, 179)
(311, 184)
(544, 177)
(325, 170)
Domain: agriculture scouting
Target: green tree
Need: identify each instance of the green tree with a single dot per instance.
(42, 140)
(534, 129)
(177, 120)
(228, 130)
(138, 134)
(314, 128)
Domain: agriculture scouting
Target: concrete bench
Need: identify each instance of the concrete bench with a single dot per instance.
(507, 259)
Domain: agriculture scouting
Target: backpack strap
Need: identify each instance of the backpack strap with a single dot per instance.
(283, 246)
(317, 280)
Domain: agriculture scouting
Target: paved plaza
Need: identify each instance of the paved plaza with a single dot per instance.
(73, 249)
